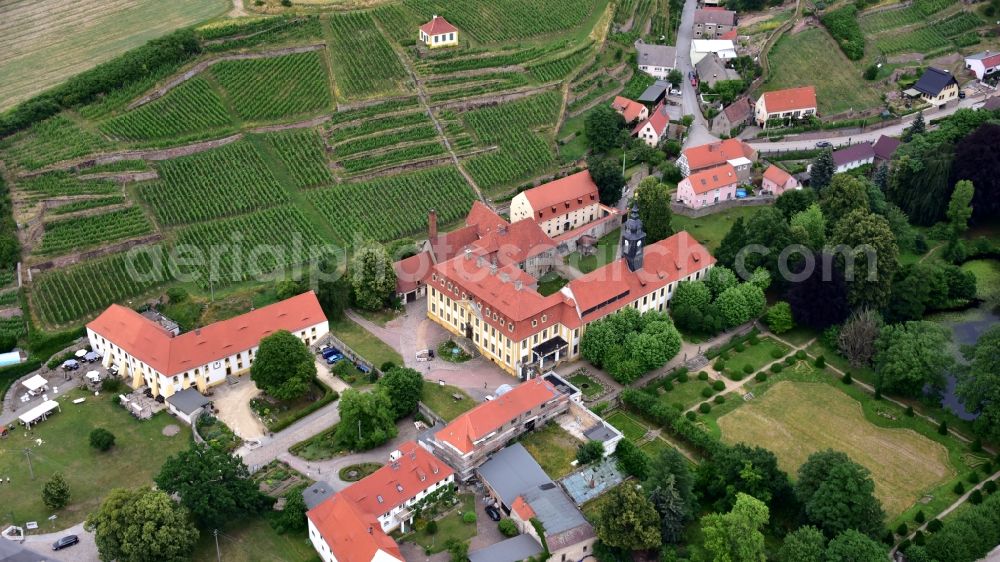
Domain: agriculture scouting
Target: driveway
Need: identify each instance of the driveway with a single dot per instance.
(698, 133)
(273, 445)
(232, 405)
(85, 551)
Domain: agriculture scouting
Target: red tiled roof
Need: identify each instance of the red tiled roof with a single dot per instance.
(522, 508)
(790, 99)
(777, 175)
(562, 196)
(487, 417)
(658, 119)
(712, 178)
(629, 109)
(739, 111)
(512, 244)
(437, 26)
(397, 482)
(992, 60)
(483, 218)
(730, 35)
(145, 340)
(449, 244)
(716, 153)
(412, 271)
(352, 535)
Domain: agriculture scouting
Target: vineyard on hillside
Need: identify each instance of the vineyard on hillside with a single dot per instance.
(514, 19)
(364, 63)
(276, 87)
(192, 107)
(56, 184)
(57, 138)
(304, 155)
(80, 233)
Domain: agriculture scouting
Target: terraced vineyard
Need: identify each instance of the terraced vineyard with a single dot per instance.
(276, 87)
(408, 153)
(499, 121)
(257, 232)
(920, 40)
(87, 232)
(54, 184)
(71, 294)
(13, 327)
(375, 142)
(890, 19)
(401, 24)
(520, 155)
(559, 68)
(304, 154)
(364, 64)
(192, 107)
(375, 125)
(513, 19)
(225, 181)
(57, 138)
(84, 204)
(360, 208)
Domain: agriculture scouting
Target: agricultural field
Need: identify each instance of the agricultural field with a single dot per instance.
(304, 156)
(83, 34)
(409, 153)
(74, 234)
(54, 184)
(190, 108)
(364, 72)
(221, 182)
(795, 419)
(360, 208)
(272, 88)
(57, 138)
(490, 22)
(839, 85)
(84, 204)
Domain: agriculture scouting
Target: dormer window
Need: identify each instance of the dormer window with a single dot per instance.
(380, 499)
(399, 487)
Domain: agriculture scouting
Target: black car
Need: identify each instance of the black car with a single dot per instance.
(65, 542)
(823, 144)
(493, 513)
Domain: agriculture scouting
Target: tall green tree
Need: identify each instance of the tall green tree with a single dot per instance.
(881, 179)
(718, 279)
(374, 279)
(736, 536)
(853, 546)
(283, 366)
(960, 207)
(845, 194)
(741, 468)
(141, 525)
(55, 492)
(675, 78)
(696, 293)
(821, 171)
(367, 419)
(910, 356)
(213, 485)
(733, 306)
(333, 286)
(869, 252)
(607, 174)
(917, 127)
(779, 317)
(809, 227)
(838, 494)
(653, 200)
(791, 203)
(818, 297)
(404, 387)
(628, 520)
(732, 243)
(601, 127)
(920, 181)
(670, 485)
(979, 384)
(805, 544)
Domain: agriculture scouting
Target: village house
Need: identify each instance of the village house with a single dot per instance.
(885, 147)
(734, 152)
(631, 111)
(777, 181)
(438, 33)
(983, 64)
(496, 307)
(708, 187)
(792, 103)
(936, 86)
(353, 525)
(521, 490)
(733, 117)
(560, 205)
(853, 156)
(655, 93)
(147, 354)
(655, 60)
(711, 69)
(725, 49)
(654, 128)
(712, 23)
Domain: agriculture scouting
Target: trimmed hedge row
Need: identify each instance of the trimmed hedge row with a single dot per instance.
(714, 352)
(670, 419)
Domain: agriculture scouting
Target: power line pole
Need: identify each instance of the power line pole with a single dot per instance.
(27, 455)
(218, 554)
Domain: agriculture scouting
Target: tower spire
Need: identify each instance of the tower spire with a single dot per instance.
(633, 240)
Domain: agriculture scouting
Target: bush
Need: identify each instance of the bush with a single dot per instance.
(878, 394)
(935, 525)
(705, 408)
(668, 385)
(909, 411)
(707, 392)
(776, 354)
(736, 376)
(918, 538)
(748, 369)
(902, 530)
(507, 528)
(591, 451)
(790, 360)
(738, 347)
(920, 517)
(469, 518)
(719, 365)
(753, 339)
(719, 385)
(904, 545)
(102, 439)
(387, 366)
(702, 376)
(432, 527)
(112, 385)
(847, 379)
(977, 445)
(720, 399)
(776, 368)
(943, 428)
(990, 486)
(973, 477)
(820, 362)
(690, 415)
(800, 354)
(682, 377)
(959, 488)
(760, 377)
(976, 497)
(842, 24)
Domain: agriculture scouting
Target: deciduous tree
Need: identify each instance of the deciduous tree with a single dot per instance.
(805, 544)
(101, 439)
(55, 492)
(404, 387)
(977, 159)
(601, 127)
(838, 494)
(979, 384)
(591, 451)
(607, 174)
(910, 356)
(819, 299)
(779, 317)
(751, 470)
(736, 536)
(718, 279)
(845, 194)
(628, 520)
(869, 252)
(857, 337)
(283, 366)
(373, 278)
(809, 227)
(141, 525)
(367, 419)
(852, 546)
(653, 200)
(960, 207)
(790, 203)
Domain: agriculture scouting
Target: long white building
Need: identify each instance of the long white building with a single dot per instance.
(147, 354)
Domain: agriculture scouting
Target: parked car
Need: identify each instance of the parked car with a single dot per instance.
(823, 144)
(65, 542)
(961, 94)
(334, 358)
(493, 513)
(330, 352)
(363, 368)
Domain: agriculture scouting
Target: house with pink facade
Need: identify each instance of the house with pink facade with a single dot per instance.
(708, 187)
(777, 181)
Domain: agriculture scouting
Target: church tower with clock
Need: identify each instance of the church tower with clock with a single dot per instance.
(633, 240)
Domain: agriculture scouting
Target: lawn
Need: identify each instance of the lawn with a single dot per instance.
(449, 527)
(550, 283)
(140, 448)
(253, 540)
(655, 447)
(587, 385)
(757, 356)
(553, 448)
(607, 249)
(319, 447)
(440, 399)
(838, 81)
(364, 342)
(711, 229)
(686, 394)
(630, 428)
(795, 419)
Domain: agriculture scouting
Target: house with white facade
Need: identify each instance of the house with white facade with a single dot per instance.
(853, 156)
(655, 60)
(983, 64)
(725, 49)
(147, 354)
(790, 103)
(653, 129)
(560, 205)
(438, 33)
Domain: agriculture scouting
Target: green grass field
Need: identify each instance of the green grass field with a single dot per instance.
(711, 229)
(607, 249)
(140, 448)
(364, 342)
(686, 394)
(757, 356)
(441, 399)
(838, 81)
(449, 527)
(630, 428)
(553, 448)
(254, 540)
(587, 385)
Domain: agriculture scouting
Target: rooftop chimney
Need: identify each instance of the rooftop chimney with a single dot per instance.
(432, 223)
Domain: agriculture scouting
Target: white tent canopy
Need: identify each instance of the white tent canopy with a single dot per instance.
(94, 375)
(38, 412)
(36, 382)
(81, 353)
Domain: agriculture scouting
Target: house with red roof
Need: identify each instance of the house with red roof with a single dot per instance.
(560, 205)
(777, 181)
(147, 354)
(353, 525)
(854, 156)
(708, 187)
(784, 105)
(653, 129)
(983, 64)
(734, 152)
(629, 110)
(438, 33)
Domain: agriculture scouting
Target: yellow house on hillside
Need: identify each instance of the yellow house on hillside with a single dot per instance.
(438, 33)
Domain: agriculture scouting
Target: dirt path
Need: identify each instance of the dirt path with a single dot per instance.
(232, 405)
(238, 10)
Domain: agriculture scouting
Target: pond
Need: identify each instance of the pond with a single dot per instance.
(968, 325)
